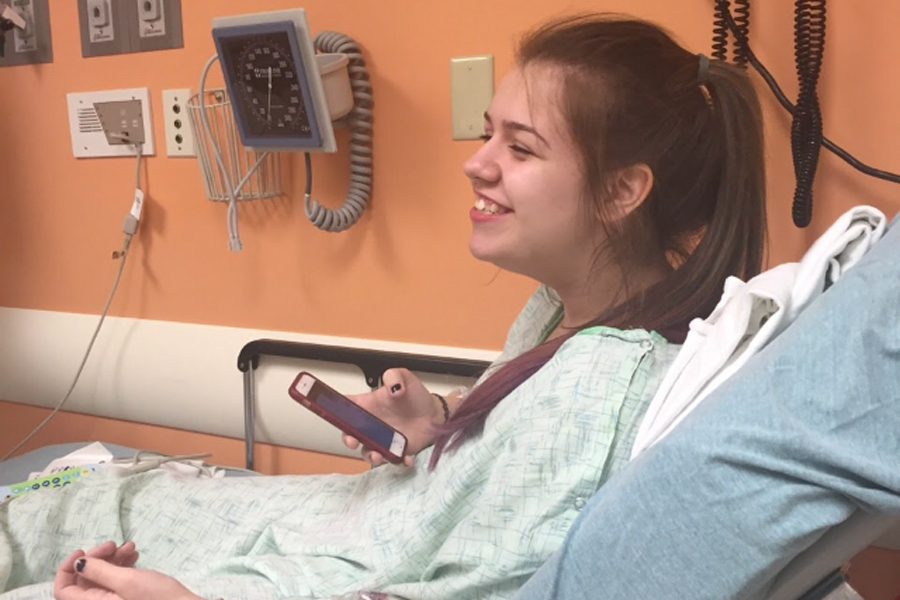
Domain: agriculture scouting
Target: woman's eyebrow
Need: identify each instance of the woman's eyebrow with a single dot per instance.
(516, 126)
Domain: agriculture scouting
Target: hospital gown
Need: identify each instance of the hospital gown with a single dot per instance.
(477, 526)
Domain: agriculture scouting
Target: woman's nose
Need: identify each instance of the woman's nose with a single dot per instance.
(482, 165)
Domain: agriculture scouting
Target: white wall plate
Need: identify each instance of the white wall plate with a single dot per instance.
(88, 139)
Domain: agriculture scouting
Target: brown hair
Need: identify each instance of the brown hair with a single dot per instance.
(631, 95)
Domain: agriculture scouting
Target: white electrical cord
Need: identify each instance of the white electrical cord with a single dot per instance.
(130, 226)
(234, 235)
(147, 460)
(142, 457)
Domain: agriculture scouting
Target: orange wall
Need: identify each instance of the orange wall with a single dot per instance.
(407, 261)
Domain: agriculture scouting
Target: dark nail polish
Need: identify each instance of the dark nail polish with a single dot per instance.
(79, 565)
(395, 388)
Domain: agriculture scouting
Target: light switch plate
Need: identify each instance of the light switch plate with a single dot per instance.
(34, 45)
(151, 18)
(125, 26)
(102, 28)
(100, 22)
(156, 24)
(25, 40)
(471, 90)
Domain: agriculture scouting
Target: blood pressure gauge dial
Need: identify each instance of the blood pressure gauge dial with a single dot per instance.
(269, 86)
(268, 83)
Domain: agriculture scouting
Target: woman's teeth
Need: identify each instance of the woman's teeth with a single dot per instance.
(486, 206)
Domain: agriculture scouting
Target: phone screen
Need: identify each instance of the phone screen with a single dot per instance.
(347, 411)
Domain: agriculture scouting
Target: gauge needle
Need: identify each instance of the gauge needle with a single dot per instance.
(269, 101)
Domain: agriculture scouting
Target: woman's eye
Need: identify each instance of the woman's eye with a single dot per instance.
(520, 150)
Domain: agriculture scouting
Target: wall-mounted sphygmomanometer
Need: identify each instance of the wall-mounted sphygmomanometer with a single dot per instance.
(281, 95)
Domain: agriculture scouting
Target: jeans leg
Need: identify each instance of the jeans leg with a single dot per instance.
(805, 435)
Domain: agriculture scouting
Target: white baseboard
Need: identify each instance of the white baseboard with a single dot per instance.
(181, 375)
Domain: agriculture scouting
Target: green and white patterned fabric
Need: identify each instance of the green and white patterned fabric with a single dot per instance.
(476, 527)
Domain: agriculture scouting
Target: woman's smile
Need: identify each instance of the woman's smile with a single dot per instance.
(486, 209)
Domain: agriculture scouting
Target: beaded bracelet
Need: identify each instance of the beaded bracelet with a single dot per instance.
(443, 405)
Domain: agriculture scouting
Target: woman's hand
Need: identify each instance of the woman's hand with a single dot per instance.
(107, 573)
(404, 404)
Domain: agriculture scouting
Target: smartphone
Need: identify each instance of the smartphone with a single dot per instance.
(349, 417)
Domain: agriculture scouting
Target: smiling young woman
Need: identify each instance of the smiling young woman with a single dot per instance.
(624, 178)
(625, 174)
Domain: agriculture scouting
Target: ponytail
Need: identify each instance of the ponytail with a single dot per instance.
(731, 242)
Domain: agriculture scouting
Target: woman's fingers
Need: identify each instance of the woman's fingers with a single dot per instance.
(374, 458)
(394, 381)
(66, 575)
(106, 550)
(125, 555)
(120, 581)
(350, 441)
(369, 455)
(128, 583)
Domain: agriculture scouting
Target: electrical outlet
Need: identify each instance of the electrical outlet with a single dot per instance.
(179, 131)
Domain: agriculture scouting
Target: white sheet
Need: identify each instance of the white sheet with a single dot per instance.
(749, 315)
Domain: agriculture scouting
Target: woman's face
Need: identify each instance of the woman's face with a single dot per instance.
(529, 215)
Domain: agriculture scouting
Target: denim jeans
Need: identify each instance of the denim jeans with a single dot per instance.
(803, 437)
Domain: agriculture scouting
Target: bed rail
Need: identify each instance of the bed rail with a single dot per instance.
(372, 363)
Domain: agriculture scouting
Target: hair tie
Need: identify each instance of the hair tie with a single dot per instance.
(703, 69)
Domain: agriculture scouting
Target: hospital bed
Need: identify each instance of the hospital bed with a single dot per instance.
(813, 575)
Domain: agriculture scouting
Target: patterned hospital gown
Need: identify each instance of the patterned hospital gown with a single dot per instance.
(476, 527)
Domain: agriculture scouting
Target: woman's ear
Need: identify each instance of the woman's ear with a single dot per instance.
(630, 186)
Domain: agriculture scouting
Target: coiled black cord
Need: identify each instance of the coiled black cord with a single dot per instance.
(742, 23)
(741, 19)
(721, 14)
(806, 127)
(788, 106)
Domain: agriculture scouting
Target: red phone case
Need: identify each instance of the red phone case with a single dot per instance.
(342, 425)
